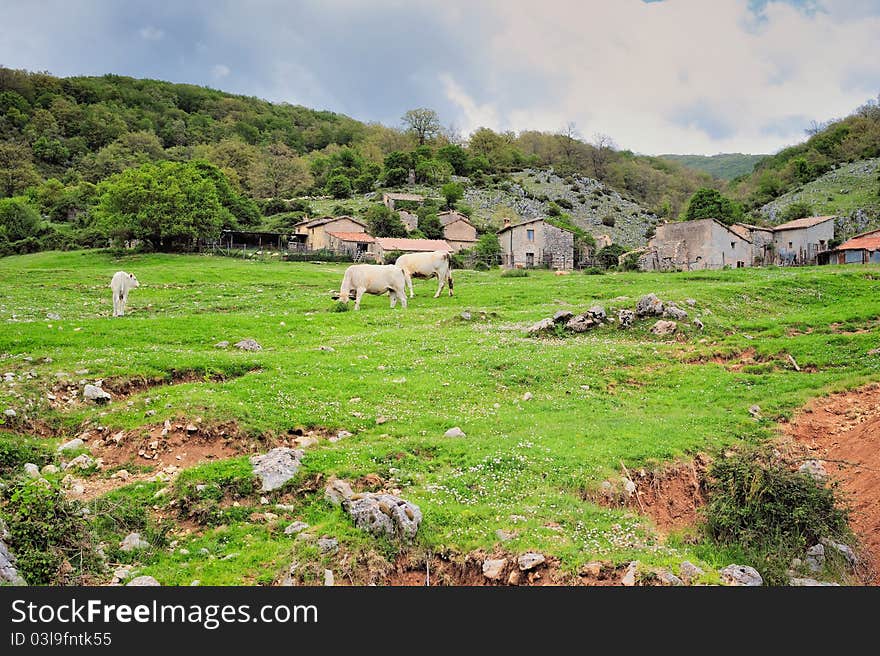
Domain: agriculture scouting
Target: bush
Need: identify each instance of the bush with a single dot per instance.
(514, 273)
(758, 504)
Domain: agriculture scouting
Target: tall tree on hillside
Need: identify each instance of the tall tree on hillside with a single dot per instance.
(424, 123)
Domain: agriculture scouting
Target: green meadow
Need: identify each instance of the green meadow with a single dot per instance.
(397, 380)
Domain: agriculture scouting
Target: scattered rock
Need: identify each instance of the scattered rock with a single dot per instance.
(796, 582)
(132, 542)
(295, 528)
(741, 575)
(75, 443)
(31, 470)
(337, 491)
(562, 316)
(96, 394)
(814, 469)
(649, 306)
(328, 545)
(815, 560)
(664, 327)
(276, 467)
(223, 344)
(543, 326)
(142, 581)
(674, 312)
(248, 345)
(455, 431)
(493, 568)
(626, 318)
(530, 560)
(384, 514)
(629, 576)
(527, 396)
(82, 461)
(843, 549)
(689, 572)
(668, 578)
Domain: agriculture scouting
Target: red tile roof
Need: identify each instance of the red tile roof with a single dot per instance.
(807, 222)
(399, 244)
(361, 237)
(869, 241)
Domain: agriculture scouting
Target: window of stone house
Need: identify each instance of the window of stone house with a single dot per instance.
(530, 235)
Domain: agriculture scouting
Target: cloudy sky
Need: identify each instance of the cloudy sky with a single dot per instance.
(681, 76)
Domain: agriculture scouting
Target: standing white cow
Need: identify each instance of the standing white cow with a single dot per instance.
(121, 284)
(427, 265)
(373, 279)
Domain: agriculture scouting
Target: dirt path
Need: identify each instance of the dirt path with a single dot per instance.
(844, 431)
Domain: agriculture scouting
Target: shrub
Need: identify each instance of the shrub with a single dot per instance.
(514, 273)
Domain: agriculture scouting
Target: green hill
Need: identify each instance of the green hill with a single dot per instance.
(724, 166)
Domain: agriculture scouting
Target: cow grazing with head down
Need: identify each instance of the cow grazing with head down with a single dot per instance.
(427, 265)
(373, 279)
(121, 284)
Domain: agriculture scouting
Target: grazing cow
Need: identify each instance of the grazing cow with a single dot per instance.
(427, 265)
(121, 284)
(373, 279)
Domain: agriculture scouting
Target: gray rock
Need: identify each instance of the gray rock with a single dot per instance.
(689, 572)
(543, 326)
(248, 345)
(133, 542)
(668, 578)
(96, 394)
(75, 443)
(674, 312)
(295, 528)
(797, 582)
(815, 560)
(494, 568)
(8, 570)
(31, 470)
(649, 306)
(626, 318)
(328, 545)
(337, 491)
(843, 549)
(629, 576)
(276, 467)
(664, 327)
(82, 461)
(455, 431)
(384, 514)
(815, 469)
(142, 581)
(530, 560)
(223, 344)
(562, 316)
(741, 575)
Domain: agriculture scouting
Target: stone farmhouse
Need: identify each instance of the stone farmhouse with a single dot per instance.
(536, 243)
(457, 230)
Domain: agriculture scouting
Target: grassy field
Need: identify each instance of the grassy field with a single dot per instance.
(399, 379)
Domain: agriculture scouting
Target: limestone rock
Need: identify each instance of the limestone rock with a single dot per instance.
(276, 467)
(248, 345)
(96, 394)
(493, 568)
(384, 514)
(741, 575)
(664, 327)
(530, 560)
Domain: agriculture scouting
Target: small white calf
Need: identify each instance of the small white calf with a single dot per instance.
(427, 265)
(373, 279)
(121, 284)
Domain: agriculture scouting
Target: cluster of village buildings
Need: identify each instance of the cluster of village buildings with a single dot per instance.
(676, 246)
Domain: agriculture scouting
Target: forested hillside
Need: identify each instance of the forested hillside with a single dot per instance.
(67, 146)
(724, 166)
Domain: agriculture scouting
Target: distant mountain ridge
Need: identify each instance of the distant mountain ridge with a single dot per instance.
(724, 166)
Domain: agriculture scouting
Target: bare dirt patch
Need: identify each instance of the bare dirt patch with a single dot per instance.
(844, 431)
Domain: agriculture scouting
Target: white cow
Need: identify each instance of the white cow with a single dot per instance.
(373, 279)
(427, 265)
(121, 284)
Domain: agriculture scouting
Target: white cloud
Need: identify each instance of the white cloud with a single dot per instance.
(219, 71)
(150, 33)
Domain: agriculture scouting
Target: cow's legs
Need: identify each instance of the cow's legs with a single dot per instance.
(357, 298)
